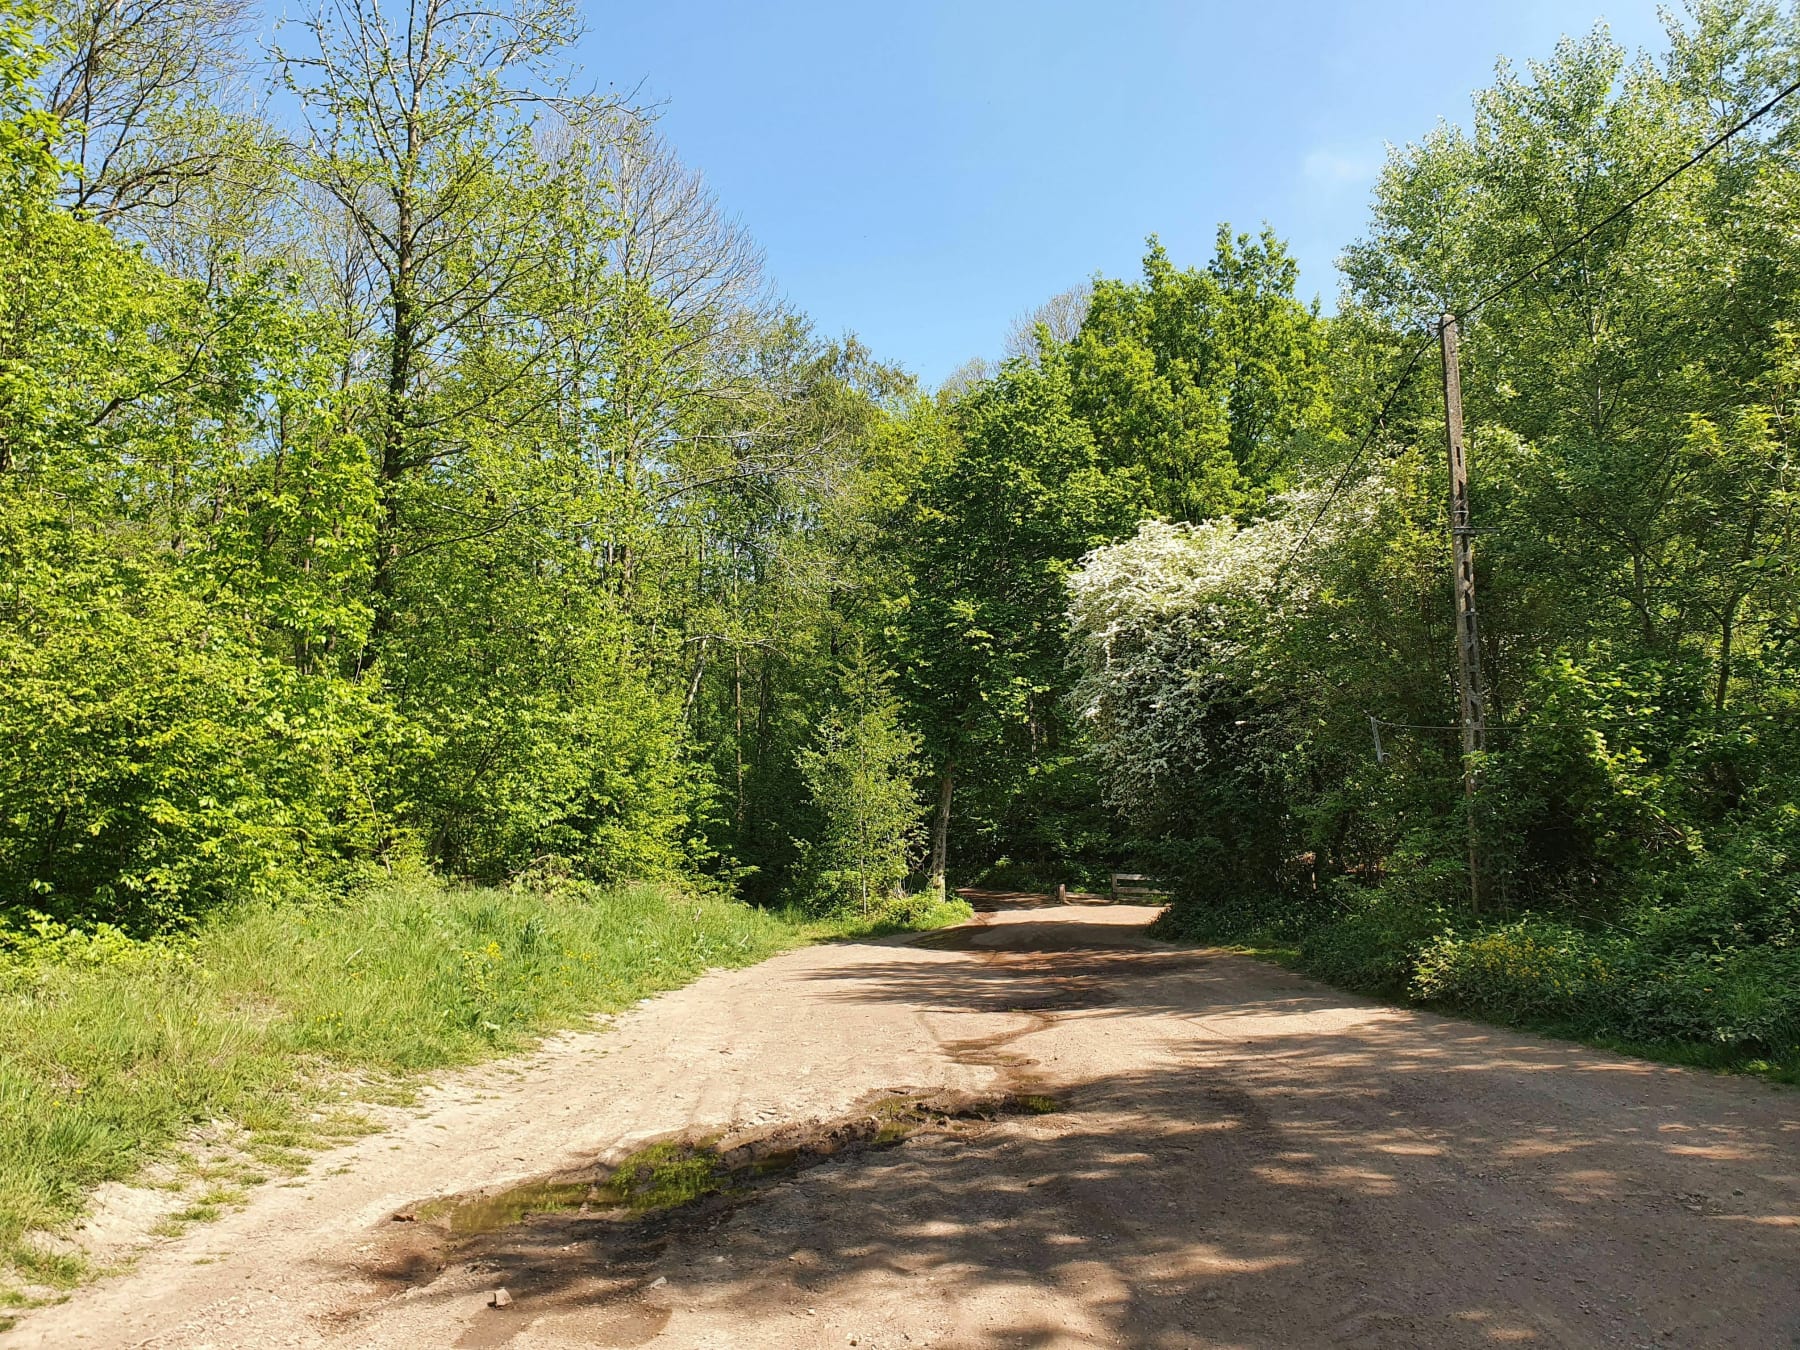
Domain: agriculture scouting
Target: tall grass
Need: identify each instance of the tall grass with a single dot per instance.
(112, 1051)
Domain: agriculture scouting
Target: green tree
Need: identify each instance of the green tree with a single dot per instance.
(166, 745)
(860, 774)
(994, 524)
(1204, 378)
(30, 133)
(420, 130)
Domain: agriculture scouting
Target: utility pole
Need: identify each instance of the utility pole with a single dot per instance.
(1468, 644)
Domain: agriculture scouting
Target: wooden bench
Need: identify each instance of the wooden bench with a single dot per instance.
(1135, 886)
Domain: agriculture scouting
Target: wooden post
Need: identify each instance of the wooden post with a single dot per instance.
(1468, 643)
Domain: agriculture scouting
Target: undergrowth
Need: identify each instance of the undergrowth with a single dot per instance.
(1705, 976)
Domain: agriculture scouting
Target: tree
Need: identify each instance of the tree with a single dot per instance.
(30, 134)
(1206, 379)
(420, 130)
(1733, 501)
(132, 80)
(164, 748)
(1059, 318)
(860, 773)
(995, 522)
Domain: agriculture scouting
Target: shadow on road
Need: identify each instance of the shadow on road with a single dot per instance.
(1240, 1157)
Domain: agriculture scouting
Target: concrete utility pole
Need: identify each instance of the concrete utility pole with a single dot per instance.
(1468, 643)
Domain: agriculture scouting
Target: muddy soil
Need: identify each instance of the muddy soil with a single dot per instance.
(1042, 1129)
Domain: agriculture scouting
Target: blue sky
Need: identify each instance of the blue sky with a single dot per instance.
(920, 173)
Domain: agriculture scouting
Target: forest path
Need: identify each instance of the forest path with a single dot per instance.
(1236, 1157)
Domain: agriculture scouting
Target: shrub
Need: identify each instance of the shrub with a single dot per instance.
(1536, 971)
(154, 765)
(1373, 945)
(1746, 1002)
(1533, 970)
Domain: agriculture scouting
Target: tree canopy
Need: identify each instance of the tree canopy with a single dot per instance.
(432, 479)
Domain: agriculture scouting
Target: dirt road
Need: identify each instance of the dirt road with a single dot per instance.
(1043, 1130)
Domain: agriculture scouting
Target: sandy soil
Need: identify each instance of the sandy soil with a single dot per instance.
(1238, 1157)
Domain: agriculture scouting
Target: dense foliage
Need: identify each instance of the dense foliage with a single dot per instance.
(369, 496)
(433, 479)
(1631, 418)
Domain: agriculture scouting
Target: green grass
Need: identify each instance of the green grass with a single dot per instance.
(667, 1176)
(1547, 982)
(277, 1022)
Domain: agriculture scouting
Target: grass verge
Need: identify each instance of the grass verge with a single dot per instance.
(1733, 1011)
(273, 1024)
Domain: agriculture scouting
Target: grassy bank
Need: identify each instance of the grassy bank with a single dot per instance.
(1689, 984)
(277, 1020)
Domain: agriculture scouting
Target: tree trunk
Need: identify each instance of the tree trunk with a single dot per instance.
(693, 690)
(1728, 619)
(391, 467)
(940, 830)
(1727, 632)
(737, 743)
(1640, 598)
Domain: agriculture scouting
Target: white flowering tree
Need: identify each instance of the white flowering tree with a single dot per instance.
(1165, 629)
(1222, 668)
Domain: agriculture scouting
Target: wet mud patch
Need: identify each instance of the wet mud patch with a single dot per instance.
(578, 1251)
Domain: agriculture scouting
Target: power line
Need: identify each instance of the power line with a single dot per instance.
(1514, 283)
(1631, 205)
(1368, 439)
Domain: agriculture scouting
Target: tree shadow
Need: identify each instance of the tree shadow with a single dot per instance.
(1239, 1157)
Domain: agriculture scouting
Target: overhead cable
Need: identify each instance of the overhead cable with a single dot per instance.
(1516, 281)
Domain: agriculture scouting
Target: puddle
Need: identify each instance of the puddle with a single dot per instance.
(580, 1252)
(677, 1175)
(584, 1253)
(485, 1213)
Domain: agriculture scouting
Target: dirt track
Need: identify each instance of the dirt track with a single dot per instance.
(1237, 1157)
